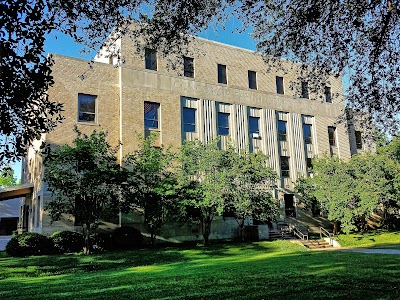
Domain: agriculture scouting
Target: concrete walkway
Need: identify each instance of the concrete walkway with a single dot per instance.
(370, 250)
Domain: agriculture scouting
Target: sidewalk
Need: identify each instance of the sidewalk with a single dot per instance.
(370, 250)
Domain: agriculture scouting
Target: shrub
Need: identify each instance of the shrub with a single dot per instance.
(101, 242)
(67, 241)
(29, 243)
(127, 237)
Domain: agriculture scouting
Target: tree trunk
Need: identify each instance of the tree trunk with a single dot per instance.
(87, 248)
(152, 236)
(336, 226)
(206, 229)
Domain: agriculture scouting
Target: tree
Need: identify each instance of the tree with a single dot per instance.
(84, 180)
(204, 171)
(151, 167)
(251, 186)
(7, 177)
(356, 38)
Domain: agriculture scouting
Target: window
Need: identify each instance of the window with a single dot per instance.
(222, 74)
(151, 115)
(281, 130)
(332, 136)
(188, 67)
(279, 85)
(252, 80)
(358, 140)
(254, 128)
(307, 133)
(87, 108)
(285, 168)
(309, 164)
(151, 59)
(328, 94)
(189, 119)
(223, 123)
(304, 89)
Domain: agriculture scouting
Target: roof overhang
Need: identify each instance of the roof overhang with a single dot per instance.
(16, 191)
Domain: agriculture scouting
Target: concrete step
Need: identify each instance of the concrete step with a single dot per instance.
(316, 244)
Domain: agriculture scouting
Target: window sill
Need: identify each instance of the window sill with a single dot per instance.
(87, 123)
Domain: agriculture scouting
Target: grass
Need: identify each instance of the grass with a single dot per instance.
(264, 270)
(371, 239)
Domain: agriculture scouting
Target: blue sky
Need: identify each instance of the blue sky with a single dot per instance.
(58, 43)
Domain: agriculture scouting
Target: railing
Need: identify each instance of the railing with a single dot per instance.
(326, 233)
(295, 229)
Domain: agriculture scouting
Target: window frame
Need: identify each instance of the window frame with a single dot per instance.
(328, 95)
(307, 139)
(280, 88)
(282, 136)
(332, 139)
(358, 138)
(188, 123)
(219, 126)
(188, 67)
(157, 119)
(222, 76)
(285, 172)
(252, 83)
(94, 121)
(304, 90)
(251, 132)
(150, 59)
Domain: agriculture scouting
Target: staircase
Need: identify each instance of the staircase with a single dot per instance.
(316, 244)
(284, 231)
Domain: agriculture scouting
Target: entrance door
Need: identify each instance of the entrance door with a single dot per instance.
(289, 206)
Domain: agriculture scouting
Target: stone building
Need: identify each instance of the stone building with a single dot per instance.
(220, 90)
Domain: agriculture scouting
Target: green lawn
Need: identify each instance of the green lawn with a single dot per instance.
(371, 239)
(265, 270)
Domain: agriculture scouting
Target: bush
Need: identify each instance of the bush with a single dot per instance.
(101, 242)
(29, 243)
(127, 237)
(67, 241)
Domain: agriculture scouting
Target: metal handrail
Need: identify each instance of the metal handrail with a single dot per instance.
(297, 232)
(329, 235)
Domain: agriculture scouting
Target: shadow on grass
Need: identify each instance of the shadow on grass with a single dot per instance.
(266, 270)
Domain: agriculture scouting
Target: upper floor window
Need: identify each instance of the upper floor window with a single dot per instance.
(252, 79)
(309, 164)
(254, 128)
(151, 59)
(281, 130)
(189, 119)
(86, 108)
(223, 123)
(328, 94)
(307, 133)
(279, 85)
(332, 135)
(222, 74)
(359, 140)
(285, 166)
(188, 67)
(151, 115)
(304, 89)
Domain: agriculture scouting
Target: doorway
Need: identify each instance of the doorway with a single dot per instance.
(290, 210)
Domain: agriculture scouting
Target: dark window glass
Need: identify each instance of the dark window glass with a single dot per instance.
(86, 108)
(307, 133)
(285, 168)
(151, 115)
(332, 136)
(189, 119)
(358, 139)
(252, 80)
(282, 130)
(151, 59)
(309, 164)
(223, 123)
(188, 67)
(279, 85)
(222, 74)
(304, 90)
(253, 125)
(328, 94)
